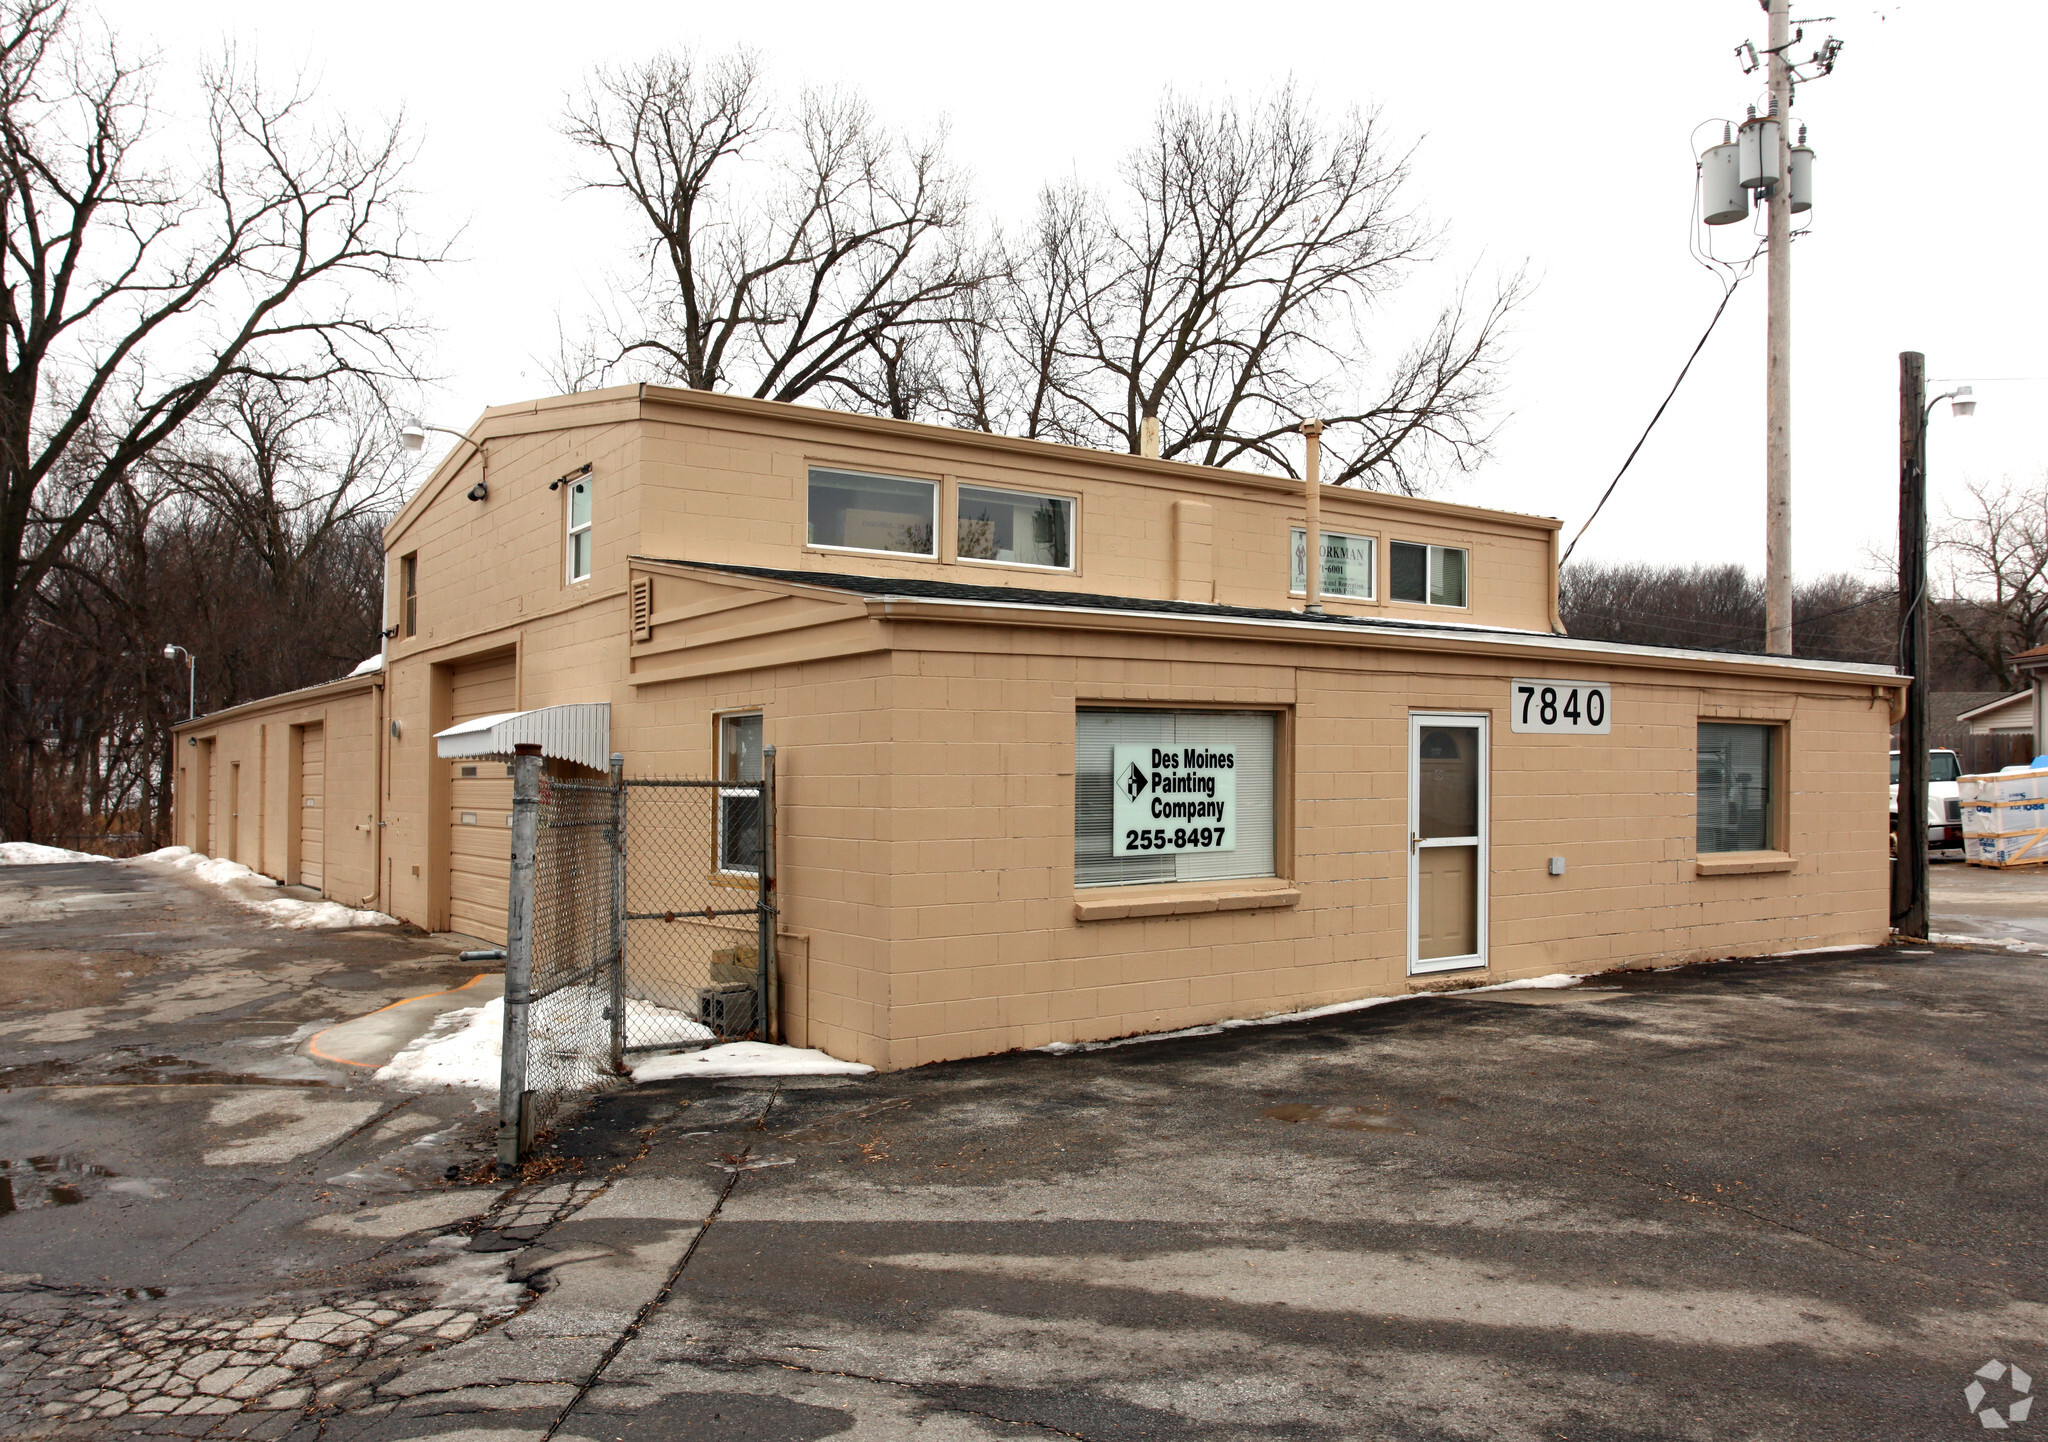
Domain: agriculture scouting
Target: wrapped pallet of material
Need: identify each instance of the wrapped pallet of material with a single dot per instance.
(2005, 817)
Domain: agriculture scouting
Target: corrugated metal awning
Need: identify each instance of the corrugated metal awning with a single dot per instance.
(581, 733)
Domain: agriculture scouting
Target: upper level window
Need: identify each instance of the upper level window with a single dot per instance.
(1012, 526)
(1735, 787)
(409, 590)
(873, 513)
(1430, 575)
(1347, 564)
(579, 530)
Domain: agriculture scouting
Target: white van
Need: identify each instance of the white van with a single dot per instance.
(1944, 804)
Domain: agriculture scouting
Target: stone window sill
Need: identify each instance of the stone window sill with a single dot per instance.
(1182, 898)
(1743, 863)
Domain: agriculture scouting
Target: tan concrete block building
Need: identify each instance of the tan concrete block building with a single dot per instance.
(1060, 754)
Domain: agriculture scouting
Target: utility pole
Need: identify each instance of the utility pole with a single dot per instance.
(1909, 867)
(1778, 352)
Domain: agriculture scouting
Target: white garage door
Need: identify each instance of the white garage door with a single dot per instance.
(480, 807)
(313, 808)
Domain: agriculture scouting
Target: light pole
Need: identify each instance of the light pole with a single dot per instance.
(413, 436)
(1909, 868)
(172, 653)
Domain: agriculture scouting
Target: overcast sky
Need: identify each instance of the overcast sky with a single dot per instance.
(1551, 133)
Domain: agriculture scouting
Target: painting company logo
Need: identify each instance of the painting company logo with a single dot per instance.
(1134, 781)
(2016, 1381)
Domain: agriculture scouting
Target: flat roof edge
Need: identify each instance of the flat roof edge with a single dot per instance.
(341, 685)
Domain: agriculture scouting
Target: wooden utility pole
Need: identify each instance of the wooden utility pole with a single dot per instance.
(1909, 867)
(1312, 561)
(1778, 354)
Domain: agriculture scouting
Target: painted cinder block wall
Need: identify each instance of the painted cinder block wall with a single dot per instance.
(927, 803)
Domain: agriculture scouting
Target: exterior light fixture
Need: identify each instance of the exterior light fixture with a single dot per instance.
(172, 653)
(1963, 402)
(413, 436)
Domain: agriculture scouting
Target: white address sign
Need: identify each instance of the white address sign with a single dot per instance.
(1580, 707)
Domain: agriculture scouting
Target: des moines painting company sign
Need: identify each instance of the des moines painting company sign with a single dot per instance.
(1174, 798)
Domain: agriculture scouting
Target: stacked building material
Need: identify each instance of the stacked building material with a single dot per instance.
(2005, 817)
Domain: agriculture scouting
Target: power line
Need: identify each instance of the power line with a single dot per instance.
(1719, 311)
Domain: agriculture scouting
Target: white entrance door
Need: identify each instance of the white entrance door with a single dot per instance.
(1447, 829)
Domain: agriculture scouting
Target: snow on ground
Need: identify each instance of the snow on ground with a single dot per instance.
(463, 1046)
(746, 1058)
(239, 884)
(28, 853)
(1952, 938)
(1214, 1028)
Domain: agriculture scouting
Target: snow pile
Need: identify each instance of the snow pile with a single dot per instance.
(27, 853)
(1987, 943)
(460, 1050)
(463, 1046)
(242, 885)
(370, 666)
(1216, 1028)
(746, 1058)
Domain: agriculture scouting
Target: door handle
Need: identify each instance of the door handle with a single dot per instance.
(1414, 842)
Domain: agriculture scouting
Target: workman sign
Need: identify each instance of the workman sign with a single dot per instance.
(1173, 798)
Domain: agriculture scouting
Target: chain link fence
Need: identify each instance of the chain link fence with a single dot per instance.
(641, 919)
(569, 1051)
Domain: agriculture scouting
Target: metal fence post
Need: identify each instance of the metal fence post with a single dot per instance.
(526, 764)
(765, 999)
(617, 837)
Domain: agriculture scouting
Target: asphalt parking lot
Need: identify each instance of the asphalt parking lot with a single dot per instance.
(1797, 1198)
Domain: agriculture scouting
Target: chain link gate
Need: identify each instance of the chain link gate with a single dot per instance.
(641, 919)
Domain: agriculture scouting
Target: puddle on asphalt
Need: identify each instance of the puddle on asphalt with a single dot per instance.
(44, 1182)
(1339, 1118)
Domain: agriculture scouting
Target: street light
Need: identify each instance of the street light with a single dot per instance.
(172, 653)
(1909, 869)
(413, 436)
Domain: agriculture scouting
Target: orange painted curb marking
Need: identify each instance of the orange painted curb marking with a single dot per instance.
(313, 1041)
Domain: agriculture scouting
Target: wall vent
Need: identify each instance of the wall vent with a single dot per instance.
(643, 608)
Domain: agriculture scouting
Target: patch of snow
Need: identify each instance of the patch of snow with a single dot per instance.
(747, 1058)
(1825, 950)
(28, 853)
(1535, 983)
(1988, 943)
(374, 663)
(239, 884)
(462, 1048)
(1214, 1028)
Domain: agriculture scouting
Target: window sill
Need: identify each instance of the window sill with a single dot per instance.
(1743, 863)
(1182, 898)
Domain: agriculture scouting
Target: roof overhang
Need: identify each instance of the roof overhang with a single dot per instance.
(581, 733)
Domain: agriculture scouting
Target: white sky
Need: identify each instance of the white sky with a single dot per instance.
(1553, 133)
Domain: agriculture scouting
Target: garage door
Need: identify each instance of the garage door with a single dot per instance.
(313, 808)
(480, 807)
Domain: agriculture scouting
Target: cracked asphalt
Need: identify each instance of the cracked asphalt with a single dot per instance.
(1796, 1198)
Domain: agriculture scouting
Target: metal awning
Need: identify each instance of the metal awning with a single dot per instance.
(581, 733)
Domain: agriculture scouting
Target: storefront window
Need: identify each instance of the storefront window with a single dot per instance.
(1173, 795)
(1735, 787)
(1024, 530)
(1347, 564)
(1427, 575)
(872, 513)
(739, 807)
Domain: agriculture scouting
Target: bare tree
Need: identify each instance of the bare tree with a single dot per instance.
(1995, 547)
(1232, 290)
(784, 252)
(132, 290)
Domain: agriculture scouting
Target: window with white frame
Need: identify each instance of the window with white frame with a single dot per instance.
(1250, 738)
(579, 530)
(1015, 527)
(1428, 575)
(739, 806)
(1347, 564)
(872, 513)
